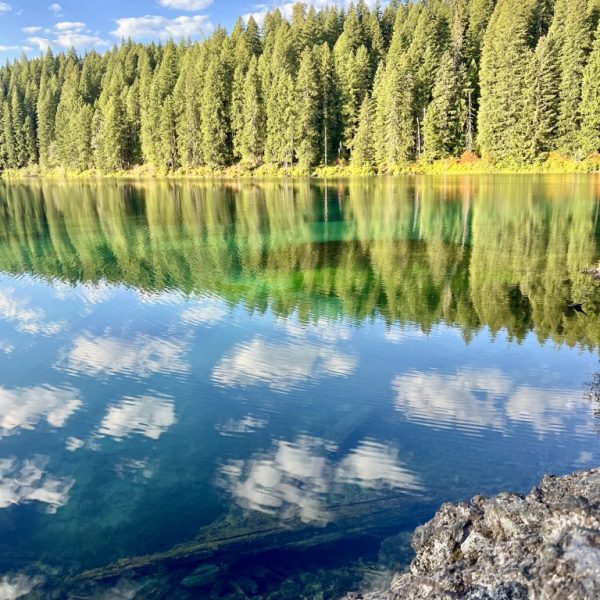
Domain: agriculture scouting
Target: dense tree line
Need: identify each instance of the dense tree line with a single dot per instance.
(511, 80)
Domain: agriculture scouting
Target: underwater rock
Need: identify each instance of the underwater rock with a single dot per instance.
(204, 575)
(509, 547)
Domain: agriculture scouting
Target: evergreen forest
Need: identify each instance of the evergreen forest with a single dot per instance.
(373, 89)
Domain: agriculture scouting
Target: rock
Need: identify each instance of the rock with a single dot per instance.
(595, 273)
(542, 546)
(204, 575)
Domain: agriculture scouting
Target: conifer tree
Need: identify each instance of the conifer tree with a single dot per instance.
(395, 116)
(540, 106)
(307, 118)
(363, 149)
(252, 137)
(444, 123)
(575, 47)
(281, 121)
(214, 115)
(589, 109)
(504, 64)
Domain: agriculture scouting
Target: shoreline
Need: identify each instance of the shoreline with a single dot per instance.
(544, 545)
(554, 165)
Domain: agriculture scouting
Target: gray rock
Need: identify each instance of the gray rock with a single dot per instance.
(540, 547)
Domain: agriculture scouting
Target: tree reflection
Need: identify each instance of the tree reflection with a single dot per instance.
(501, 252)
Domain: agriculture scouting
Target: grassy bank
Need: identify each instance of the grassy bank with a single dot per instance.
(466, 164)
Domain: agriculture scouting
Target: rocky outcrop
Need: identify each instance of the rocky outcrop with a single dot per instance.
(594, 272)
(542, 546)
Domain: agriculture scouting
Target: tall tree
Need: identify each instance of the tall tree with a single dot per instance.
(589, 109)
(307, 117)
(252, 136)
(504, 63)
(445, 119)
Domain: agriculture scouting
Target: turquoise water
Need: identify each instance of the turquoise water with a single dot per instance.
(239, 390)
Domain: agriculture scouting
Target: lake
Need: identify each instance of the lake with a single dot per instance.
(258, 390)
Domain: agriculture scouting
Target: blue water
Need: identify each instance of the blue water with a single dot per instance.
(261, 390)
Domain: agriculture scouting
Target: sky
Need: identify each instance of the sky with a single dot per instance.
(31, 26)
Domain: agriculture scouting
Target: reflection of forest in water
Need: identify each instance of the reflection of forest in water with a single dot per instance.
(502, 252)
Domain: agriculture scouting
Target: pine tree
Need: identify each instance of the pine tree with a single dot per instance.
(444, 123)
(186, 103)
(503, 78)
(573, 58)
(395, 115)
(111, 144)
(363, 149)
(252, 138)
(329, 106)
(168, 135)
(281, 121)
(307, 100)
(214, 115)
(540, 105)
(589, 109)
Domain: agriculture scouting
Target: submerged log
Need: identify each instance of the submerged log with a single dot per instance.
(256, 533)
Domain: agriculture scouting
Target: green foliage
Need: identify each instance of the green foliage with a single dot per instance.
(445, 118)
(516, 80)
(589, 109)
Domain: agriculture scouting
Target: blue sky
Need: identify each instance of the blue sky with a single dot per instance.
(33, 25)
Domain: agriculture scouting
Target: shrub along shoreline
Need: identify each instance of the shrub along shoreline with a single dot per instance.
(465, 165)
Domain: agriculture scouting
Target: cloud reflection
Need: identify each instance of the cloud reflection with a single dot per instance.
(247, 424)
(27, 319)
(472, 400)
(27, 481)
(281, 366)
(205, 311)
(372, 465)
(141, 357)
(295, 479)
(149, 416)
(23, 408)
(17, 586)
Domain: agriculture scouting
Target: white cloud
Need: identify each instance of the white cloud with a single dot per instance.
(6, 347)
(281, 366)
(17, 586)
(25, 482)
(147, 415)
(27, 319)
(72, 444)
(32, 29)
(472, 400)
(55, 8)
(4, 7)
(290, 482)
(42, 43)
(247, 424)
(67, 34)
(296, 478)
(141, 357)
(205, 312)
(70, 26)
(23, 408)
(372, 465)
(157, 27)
(73, 39)
(10, 48)
(286, 8)
(186, 4)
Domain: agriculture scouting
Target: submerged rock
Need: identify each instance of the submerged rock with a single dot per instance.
(545, 545)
